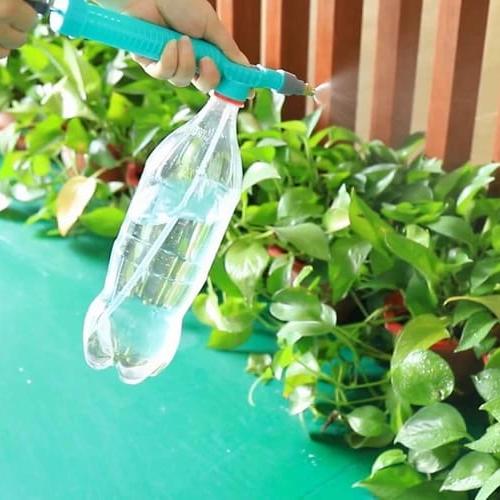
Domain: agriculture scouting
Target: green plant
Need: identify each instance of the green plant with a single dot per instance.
(378, 274)
(82, 119)
(375, 272)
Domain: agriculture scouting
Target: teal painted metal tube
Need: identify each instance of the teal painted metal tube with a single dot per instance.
(80, 19)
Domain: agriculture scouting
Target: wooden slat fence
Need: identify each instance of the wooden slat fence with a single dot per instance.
(321, 40)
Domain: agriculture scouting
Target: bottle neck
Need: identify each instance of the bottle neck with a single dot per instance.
(220, 109)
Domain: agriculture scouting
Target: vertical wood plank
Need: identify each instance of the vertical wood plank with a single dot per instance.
(285, 29)
(496, 145)
(495, 187)
(455, 85)
(243, 19)
(398, 33)
(336, 40)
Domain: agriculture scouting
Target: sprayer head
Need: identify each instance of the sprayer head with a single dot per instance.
(292, 85)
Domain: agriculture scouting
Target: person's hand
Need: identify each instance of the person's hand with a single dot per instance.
(197, 19)
(17, 18)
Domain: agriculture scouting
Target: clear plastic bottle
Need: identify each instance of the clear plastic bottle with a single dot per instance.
(168, 241)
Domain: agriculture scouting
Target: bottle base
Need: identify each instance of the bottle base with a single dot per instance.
(102, 348)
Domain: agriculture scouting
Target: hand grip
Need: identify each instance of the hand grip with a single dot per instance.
(80, 19)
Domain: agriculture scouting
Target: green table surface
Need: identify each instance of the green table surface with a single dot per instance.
(68, 432)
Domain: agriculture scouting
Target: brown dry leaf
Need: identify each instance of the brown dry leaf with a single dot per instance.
(72, 200)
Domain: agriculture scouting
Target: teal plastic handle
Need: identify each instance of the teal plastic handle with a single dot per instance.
(79, 19)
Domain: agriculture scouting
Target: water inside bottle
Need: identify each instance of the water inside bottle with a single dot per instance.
(140, 335)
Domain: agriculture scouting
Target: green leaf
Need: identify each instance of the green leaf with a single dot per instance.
(423, 378)
(492, 302)
(311, 120)
(71, 57)
(40, 165)
(262, 215)
(483, 177)
(454, 228)
(298, 204)
(251, 154)
(489, 487)
(391, 482)
(258, 172)
(44, 134)
(119, 109)
(470, 472)
(487, 383)
(399, 409)
(227, 340)
(347, 258)
(77, 137)
(464, 310)
(368, 224)
(245, 263)
(104, 221)
(356, 441)
(303, 371)
(295, 304)
(388, 458)
(297, 126)
(295, 330)
(367, 421)
(418, 234)
(308, 238)
(431, 427)
(279, 274)
(492, 407)
(265, 108)
(494, 359)
(448, 183)
(488, 442)
(418, 256)
(221, 279)
(204, 307)
(483, 270)
(419, 298)
(431, 461)
(430, 490)
(336, 217)
(420, 333)
(232, 316)
(379, 177)
(475, 330)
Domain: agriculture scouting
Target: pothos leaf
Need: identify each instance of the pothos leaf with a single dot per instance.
(470, 472)
(492, 302)
(391, 482)
(489, 487)
(419, 333)
(245, 263)
(431, 427)
(488, 442)
(388, 458)
(308, 238)
(422, 378)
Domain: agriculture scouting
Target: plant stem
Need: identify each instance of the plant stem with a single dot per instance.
(359, 304)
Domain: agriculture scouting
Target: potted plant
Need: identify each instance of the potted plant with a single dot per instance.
(374, 272)
(410, 255)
